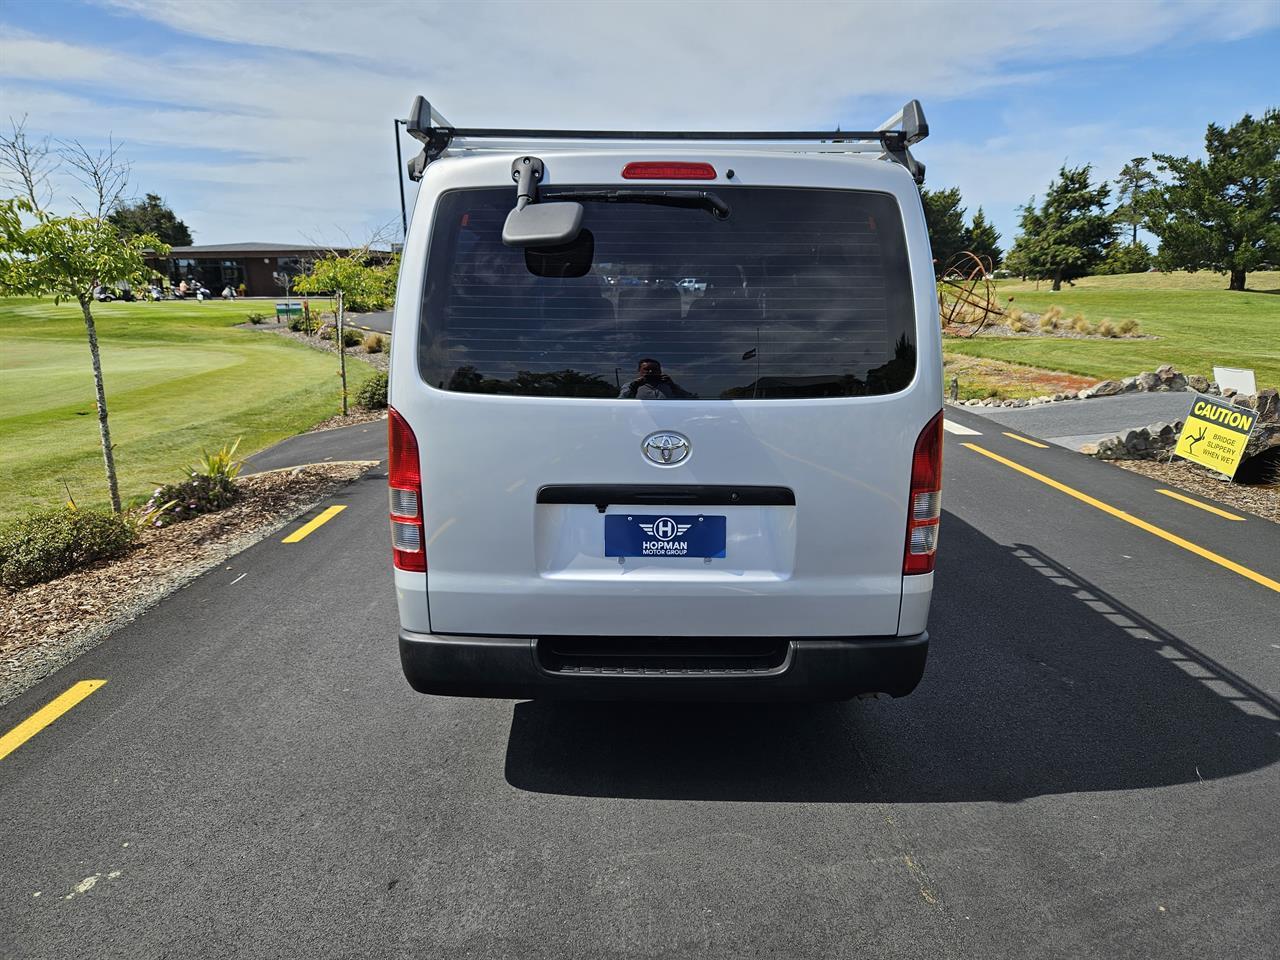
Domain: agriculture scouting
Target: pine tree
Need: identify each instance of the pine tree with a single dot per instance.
(1134, 181)
(945, 219)
(1069, 234)
(981, 238)
(1222, 213)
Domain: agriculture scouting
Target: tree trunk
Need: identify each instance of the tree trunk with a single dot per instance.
(104, 428)
(1135, 233)
(1237, 280)
(342, 354)
(1057, 279)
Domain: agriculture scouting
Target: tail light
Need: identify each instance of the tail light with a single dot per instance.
(667, 170)
(404, 475)
(926, 500)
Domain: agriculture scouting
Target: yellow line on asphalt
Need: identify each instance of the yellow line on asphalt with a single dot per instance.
(1033, 443)
(313, 525)
(1137, 522)
(1202, 506)
(50, 712)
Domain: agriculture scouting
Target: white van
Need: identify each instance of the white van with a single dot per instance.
(666, 414)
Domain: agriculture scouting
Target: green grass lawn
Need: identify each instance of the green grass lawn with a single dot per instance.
(1199, 322)
(179, 377)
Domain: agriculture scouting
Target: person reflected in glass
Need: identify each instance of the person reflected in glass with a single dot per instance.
(653, 384)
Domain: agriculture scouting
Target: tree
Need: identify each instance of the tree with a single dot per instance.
(1069, 234)
(1134, 181)
(152, 216)
(945, 219)
(981, 238)
(67, 257)
(1222, 213)
(1126, 258)
(351, 280)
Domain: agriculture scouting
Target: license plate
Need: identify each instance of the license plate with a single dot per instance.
(663, 535)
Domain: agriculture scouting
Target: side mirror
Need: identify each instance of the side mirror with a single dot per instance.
(542, 224)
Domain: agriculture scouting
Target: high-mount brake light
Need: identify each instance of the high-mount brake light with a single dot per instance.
(667, 170)
(925, 502)
(404, 478)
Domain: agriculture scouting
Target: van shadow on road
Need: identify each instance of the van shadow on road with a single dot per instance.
(1038, 683)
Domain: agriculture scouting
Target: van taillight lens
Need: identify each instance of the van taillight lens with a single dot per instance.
(404, 477)
(926, 500)
(667, 170)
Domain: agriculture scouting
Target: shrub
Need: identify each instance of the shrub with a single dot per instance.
(374, 343)
(256, 318)
(1046, 322)
(1014, 314)
(1107, 329)
(351, 338)
(372, 394)
(1128, 327)
(326, 332)
(50, 543)
(1055, 312)
(210, 485)
(1081, 325)
(1017, 326)
(298, 325)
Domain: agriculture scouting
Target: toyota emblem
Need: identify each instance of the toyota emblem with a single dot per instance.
(666, 449)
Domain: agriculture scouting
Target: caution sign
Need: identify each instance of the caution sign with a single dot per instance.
(1215, 434)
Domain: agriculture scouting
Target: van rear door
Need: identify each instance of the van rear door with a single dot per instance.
(760, 490)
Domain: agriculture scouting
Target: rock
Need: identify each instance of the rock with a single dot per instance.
(1267, 403)
(1128, 384)
(1085, 394)
(1198, 383)
(1146, 381)
(1107, 388)
(1165, 371)
(1214, 389)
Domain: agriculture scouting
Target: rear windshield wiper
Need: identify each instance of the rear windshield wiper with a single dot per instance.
(694, 199)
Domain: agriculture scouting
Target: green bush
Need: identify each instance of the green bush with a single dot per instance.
(351, 338)
(256, 318)
(210, 485)
(50, 543)
(298, 325)
(372, 394)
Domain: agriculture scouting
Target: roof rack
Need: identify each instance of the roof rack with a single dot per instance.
(890, 140)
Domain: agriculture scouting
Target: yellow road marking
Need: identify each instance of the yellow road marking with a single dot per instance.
(1033, 443)
(50, 712)
(312, 526)
(1130, 518)
(1202, 506)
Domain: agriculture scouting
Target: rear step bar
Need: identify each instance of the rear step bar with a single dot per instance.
(667, 494)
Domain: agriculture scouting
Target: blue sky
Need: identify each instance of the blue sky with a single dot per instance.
(272, 121)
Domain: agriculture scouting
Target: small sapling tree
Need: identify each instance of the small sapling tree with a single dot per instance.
(67, 257)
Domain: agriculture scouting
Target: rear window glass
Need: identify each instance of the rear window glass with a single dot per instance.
(796, 293)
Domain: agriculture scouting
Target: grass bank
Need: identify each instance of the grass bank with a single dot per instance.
(1198, 321)
(179, 377)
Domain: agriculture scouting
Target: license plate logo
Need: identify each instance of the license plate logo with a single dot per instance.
(663, 535)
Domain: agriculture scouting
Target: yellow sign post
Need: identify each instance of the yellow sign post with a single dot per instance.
(1215, 434)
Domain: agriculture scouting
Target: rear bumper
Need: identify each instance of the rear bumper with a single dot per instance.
(825, 668)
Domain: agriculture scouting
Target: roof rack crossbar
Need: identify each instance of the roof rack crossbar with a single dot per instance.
(891, 138)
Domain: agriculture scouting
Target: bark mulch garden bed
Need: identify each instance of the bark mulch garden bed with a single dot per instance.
(1260, 501)
(49, 624)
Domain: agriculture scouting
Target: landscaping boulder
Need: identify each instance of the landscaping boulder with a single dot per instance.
(1198, 383)
(1107, 388)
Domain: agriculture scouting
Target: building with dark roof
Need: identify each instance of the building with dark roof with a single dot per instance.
(256, 266)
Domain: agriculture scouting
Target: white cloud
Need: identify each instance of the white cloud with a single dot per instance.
(302, 94)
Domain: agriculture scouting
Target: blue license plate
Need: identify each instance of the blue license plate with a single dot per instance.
(663, 535)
